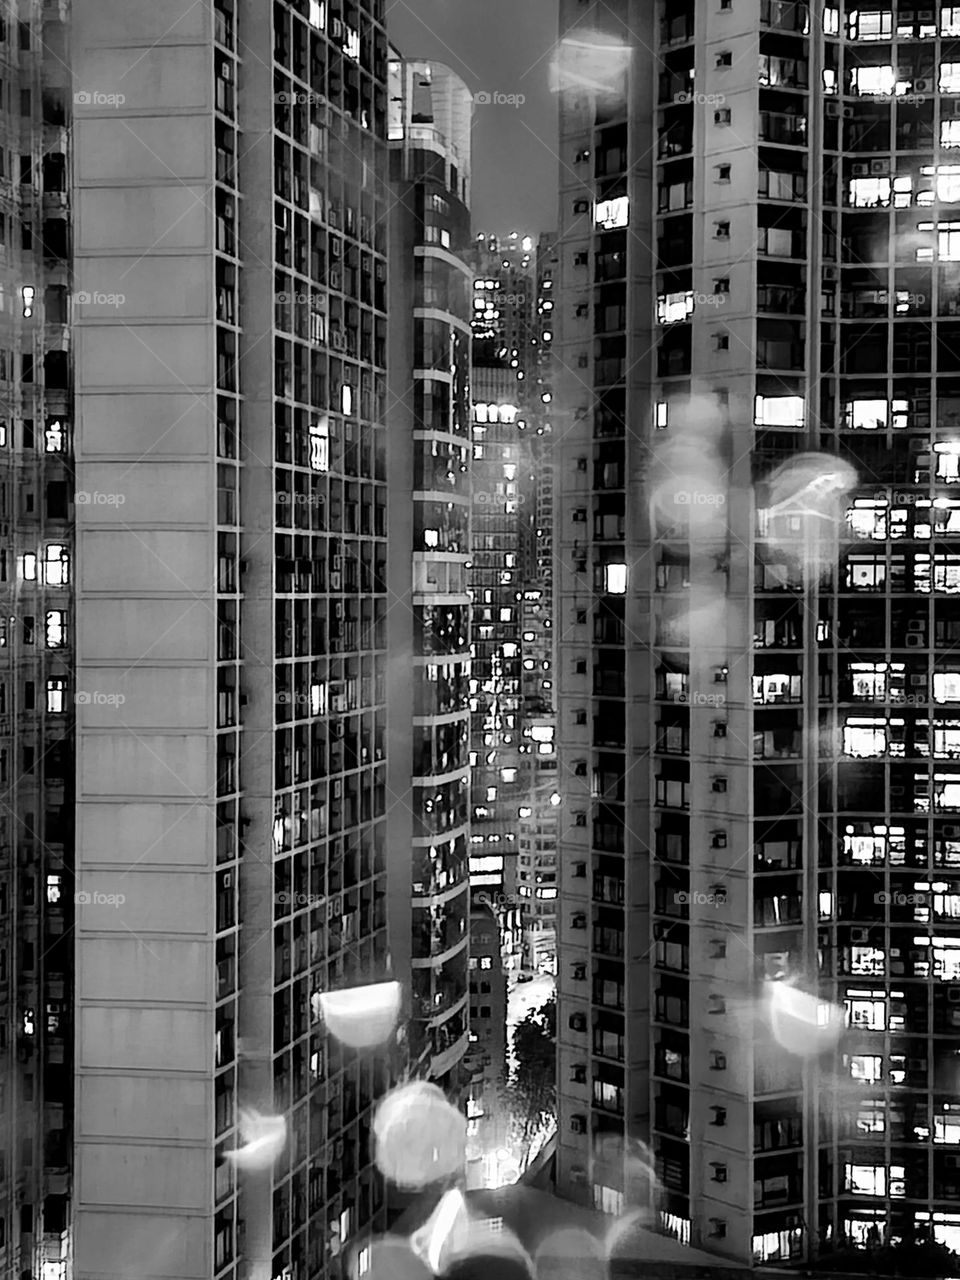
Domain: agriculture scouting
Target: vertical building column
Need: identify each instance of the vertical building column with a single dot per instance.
(145, 366)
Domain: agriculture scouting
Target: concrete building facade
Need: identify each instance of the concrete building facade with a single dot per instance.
(229, 187)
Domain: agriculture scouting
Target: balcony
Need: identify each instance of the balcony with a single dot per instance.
(781, 299)
(785, 15)
(783, 128)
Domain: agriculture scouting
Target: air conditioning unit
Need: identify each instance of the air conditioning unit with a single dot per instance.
(917, 624)
(338, 609)
(720, 729)
(337, 788)
(228, 880)
(333, 906)
(578, 1124)
(923, 86)
(918, 682)
(830, 273)
(719, 785)
(718, 840)
(337, 564)
(859, 170)
(334, 582)
(859, 935)
(879, 166)
(915, 640)
(339, 703)
(951, 831)
(832, 110)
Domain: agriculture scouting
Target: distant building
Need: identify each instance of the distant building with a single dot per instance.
(502, 390)
(429, 623)
(487, 1117)
(541, 815)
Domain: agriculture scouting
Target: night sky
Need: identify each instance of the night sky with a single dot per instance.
(496, 46)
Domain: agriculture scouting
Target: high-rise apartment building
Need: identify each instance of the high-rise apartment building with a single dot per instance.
(759, 703)
(501, 390)
(229, 175)
(488, 1118)
(37, 566)
(429, 617)
(540, 815)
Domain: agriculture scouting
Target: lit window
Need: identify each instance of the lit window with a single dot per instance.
(948, 242)
(950, 20)
(947, 181)
(672, 307)
(866, 1067)
(661, 417)
(54, 886)
(320, 445)
(56, 629)
(346, 398)
(56, 565)
(867, 415)
(870, 24)
(27, 295)
(948, 460)
(866, 1012)
(831, 22)
(869, 193)
(950, 77)
(612, 213)
(53, 436)
(866, 1179)
(317, 20)
(29, 569)
(946, 686)
(946, 1128)
(779, 411)
(351, 43)
(615, 579)
(864, 739)
(56, 696)
(873, 80)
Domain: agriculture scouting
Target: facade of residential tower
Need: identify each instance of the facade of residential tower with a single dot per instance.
(759, 716)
